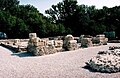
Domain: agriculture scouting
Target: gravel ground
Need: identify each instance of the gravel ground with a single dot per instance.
(59, 65)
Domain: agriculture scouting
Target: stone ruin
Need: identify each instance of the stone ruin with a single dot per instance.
(41, 47)
(100, 39)
(86, 42)
(105, 61)
(51, 45)
(17, 45)
(89, 41)
(69, 43)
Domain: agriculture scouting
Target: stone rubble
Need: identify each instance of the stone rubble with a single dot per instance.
(113, 47)
(105, 61)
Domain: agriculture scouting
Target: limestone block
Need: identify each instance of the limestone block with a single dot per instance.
(50, 42)
(95, 40)
(69, 37)
(37, 39)
(100, 39)
(39, 44)
(58, 43)
(40, 47)
(72, 45)
(42, 50)
(50, 49)
(101, 36)
(86, 42)
(16, 42)
(32, 35)
(69, 43)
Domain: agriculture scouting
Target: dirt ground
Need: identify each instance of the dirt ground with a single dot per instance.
(60, 65)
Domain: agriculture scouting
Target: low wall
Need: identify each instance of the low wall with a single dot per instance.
(17, 45)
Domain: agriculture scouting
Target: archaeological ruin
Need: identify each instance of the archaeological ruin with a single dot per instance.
(45, 46)
(105, 61)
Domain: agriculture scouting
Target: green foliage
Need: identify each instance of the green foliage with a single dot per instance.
(19, 20)
(83, 19)
(67, 17)
(7, 4)
(63, 12)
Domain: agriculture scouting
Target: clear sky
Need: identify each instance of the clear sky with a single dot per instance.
(43, 5)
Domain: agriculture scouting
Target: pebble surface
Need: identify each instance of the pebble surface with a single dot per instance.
(60, 65)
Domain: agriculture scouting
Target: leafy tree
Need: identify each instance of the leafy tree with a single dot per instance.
(7, 4)
(63, 12)
(66, 17)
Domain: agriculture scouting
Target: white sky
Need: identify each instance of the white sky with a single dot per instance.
(43, 5)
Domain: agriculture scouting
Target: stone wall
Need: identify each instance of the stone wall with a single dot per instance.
(18, 45)
(88, 41)
(41, 47)
(100, 39)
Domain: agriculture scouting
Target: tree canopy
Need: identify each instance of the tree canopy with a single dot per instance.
(83, 19)
(66, 17)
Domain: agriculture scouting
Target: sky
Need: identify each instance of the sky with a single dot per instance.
(43, 5)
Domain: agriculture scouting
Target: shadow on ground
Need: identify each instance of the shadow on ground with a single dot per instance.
(22, 54)
(94, 71)
(88, 68)
(19, 54)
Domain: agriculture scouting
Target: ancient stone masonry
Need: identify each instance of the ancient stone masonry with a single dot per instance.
(105, 61)
(88, 41)
(38, 46)
(17, 45)
(41, 47)
(100, 39)
(69, 43)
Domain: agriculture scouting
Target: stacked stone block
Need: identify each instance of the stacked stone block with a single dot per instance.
(38, 46)
(69, 43)
(100, 39)
(86, 42)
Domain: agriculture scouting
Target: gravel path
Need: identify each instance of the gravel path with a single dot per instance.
(59, 65)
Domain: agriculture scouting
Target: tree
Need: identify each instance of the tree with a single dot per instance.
(67, 17)
(63, 12)
(7, 4)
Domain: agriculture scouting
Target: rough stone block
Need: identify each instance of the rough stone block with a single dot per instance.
(58, 43)
(32, 35)
(105, 61)
(86, 42)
